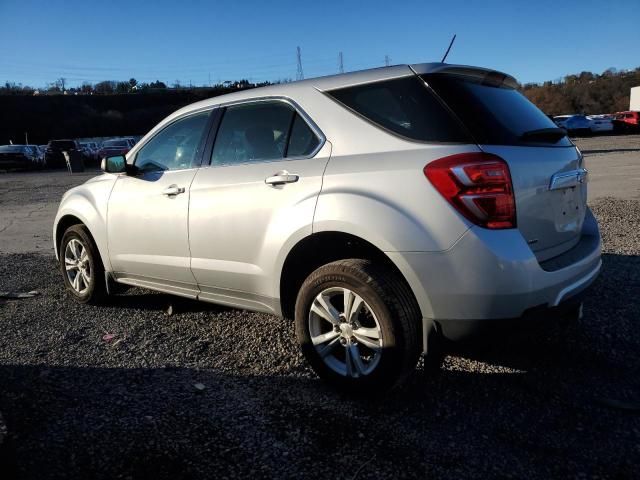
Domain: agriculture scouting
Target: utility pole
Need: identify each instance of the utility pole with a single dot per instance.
(387, 60)
(26, 138)
(340, 63)
(299, 73)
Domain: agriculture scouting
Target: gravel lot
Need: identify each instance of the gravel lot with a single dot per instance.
(211, 392)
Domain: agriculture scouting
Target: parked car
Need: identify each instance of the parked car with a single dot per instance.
(39, 155)
(54, 157)
(627, 121)
(574, 124)
(356, 205)
(20, 157)
(42, 149)
(118, 146)
(91, 151)
(600, 123)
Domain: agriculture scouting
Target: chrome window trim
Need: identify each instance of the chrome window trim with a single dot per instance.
(265, 99)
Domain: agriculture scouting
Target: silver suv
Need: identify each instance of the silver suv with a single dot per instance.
(383, 211)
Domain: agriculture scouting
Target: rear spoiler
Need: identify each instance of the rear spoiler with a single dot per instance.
(484, 75)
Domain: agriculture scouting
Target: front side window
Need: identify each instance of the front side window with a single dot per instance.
(261, 132)
(175, 147)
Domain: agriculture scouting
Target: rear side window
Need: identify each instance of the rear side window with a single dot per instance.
(494, 113)
(404, 106)
(262, 132)
(302, 141)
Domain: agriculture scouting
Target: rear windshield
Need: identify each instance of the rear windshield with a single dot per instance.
(495, 114)
(403, 106)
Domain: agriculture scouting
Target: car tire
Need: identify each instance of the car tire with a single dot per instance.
(81, 266)
(358, 325)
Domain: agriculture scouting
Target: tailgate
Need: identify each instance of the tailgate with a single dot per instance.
(551, 195)
(546, 168)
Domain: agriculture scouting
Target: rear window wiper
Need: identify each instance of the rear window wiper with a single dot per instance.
(552, 134)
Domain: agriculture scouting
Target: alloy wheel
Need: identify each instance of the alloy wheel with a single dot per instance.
(77, 266)
(345, 332)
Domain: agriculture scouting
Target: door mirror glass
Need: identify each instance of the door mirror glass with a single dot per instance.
(116, 164)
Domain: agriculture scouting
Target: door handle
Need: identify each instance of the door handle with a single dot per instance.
(172, 190)
(282, 178)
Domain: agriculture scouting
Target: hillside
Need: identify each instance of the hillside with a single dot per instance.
(586, 93)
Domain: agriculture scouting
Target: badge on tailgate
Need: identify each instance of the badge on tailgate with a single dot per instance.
(569, 179)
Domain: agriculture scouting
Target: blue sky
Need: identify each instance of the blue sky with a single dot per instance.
(208, 41)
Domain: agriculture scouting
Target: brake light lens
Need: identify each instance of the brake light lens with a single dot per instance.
(478, 185)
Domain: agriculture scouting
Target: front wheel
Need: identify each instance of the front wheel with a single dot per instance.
(358, 325)
(81, 266)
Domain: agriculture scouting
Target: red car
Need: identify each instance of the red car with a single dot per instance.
(114, 147)
(629, 120)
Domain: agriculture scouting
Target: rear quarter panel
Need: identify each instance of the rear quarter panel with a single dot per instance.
(385, 198)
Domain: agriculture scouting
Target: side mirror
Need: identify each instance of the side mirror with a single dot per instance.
(116, 164)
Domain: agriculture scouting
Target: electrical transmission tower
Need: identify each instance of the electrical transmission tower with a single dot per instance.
(340, 63)
(299, 73)
(387, 60)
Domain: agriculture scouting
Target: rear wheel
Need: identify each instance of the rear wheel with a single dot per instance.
(358, 325)
(81, 266)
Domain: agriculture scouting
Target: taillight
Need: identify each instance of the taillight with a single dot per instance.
(478, 185)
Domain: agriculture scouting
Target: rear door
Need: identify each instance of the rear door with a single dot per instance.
(546, 168)
(258, 192)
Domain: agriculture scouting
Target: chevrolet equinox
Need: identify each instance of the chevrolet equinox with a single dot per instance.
(382, 211)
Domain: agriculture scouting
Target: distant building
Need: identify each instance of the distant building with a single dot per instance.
(634, 101)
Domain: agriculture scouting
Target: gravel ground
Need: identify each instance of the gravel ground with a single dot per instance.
(211, 392)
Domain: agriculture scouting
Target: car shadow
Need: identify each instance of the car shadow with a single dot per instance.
(550, 405)
(138, 298)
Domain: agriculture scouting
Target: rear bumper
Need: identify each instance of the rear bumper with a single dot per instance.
(532, 319)
(491, 275)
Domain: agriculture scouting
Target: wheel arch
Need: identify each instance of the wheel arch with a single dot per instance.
(68, 220)
(321, 248)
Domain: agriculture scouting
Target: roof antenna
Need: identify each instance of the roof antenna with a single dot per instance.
(450, 45)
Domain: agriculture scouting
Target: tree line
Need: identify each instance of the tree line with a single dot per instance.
(585, 93)
(113, 108)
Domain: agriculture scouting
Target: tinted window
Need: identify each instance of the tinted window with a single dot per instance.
(175, 147)
(252, 132)
(494, 114)
(404, 106)
(302, 141)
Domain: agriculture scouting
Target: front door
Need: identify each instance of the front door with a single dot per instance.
(147, 216)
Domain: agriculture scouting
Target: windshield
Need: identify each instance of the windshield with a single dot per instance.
(494, 114)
